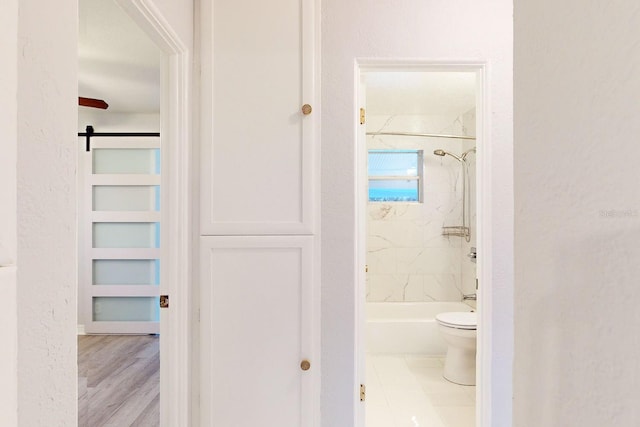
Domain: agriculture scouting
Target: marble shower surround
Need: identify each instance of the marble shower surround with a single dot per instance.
(408, 258)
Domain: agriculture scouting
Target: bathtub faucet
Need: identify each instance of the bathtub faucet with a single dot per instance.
(472, 297)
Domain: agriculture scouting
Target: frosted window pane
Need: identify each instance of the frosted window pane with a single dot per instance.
(393, 163)
(126, 198)
(126, 272)
(126, 309)
(126, 160)
(126, 235)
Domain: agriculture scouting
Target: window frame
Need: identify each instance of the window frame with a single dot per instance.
(418, 177)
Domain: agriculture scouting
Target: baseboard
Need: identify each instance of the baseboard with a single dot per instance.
(81, 330)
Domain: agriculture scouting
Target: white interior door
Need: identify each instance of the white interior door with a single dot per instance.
(120, 235)
(259, 351)
(260, 109)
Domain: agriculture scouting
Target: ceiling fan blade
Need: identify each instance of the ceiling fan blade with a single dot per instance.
(93, 103)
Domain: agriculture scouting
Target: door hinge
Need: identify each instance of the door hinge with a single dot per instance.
(362, 116)
(164, 301)
(363, 392)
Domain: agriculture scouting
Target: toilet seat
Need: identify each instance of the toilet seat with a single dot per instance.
(458, 320)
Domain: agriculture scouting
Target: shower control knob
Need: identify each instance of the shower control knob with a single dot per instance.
(305, 365)
(306, 109)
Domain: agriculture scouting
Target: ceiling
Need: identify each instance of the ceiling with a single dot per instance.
(422, 93)
(117, 61)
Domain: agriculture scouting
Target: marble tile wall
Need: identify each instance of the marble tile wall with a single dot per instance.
(468, 271)
(407, 256)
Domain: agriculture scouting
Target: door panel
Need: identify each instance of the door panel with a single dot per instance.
(126, 198)
(126, 272)
(258, 146)
(126, 160)
(126, 235)
(126, 309)
(258, 309)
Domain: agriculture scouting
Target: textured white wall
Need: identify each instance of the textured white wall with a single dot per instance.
(8, 150)
(47, 99)
(457, 29)
(577, 213)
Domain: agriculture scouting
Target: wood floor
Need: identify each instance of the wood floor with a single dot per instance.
(119, 381)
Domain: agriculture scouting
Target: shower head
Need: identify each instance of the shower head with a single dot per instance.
(443, 153)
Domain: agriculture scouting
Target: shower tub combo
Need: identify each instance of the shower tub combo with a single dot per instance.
(407, 327)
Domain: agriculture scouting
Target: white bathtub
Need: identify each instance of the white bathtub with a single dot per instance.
(407, 327)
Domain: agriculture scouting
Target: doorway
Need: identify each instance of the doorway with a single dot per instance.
(419, 172)
(168, 91)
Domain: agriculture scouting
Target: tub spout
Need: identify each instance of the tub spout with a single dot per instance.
(472, 297)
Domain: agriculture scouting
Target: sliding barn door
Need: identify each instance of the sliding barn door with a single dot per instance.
(119, 259)
(259, 302)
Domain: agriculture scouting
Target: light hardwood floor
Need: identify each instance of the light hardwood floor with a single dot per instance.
(118, 381)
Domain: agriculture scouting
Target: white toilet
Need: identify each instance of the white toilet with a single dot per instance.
(459, 331)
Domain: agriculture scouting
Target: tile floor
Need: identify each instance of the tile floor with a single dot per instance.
(409, 391)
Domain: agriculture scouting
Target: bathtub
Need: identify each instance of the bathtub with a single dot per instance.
(407, 327)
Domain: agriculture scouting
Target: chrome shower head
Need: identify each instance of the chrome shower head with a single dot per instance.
(443, 153)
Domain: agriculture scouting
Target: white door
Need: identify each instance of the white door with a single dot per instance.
(120, 235)
(259, 295)
(260, 347)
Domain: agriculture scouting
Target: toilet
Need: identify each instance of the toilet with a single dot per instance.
(459, 331)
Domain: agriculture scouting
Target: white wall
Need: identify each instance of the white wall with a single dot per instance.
(8, 242)
(577, 213)
(458, 29)
(46, 289)
(105, 121)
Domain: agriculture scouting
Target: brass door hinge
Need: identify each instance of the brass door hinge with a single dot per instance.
(362, 116)
(363, 392)
(164, 301)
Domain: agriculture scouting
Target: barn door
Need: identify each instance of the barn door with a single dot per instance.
(120, 235)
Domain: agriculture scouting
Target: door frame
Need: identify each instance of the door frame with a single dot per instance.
(177, 197)
(483, 211)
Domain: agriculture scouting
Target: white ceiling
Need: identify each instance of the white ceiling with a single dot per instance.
(117, 61)
(423, 93)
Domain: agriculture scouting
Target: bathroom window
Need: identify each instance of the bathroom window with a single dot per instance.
(395, 175)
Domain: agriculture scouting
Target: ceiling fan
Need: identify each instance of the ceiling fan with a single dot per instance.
(93, 103)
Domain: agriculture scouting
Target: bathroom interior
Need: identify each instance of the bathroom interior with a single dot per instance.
(421, 242)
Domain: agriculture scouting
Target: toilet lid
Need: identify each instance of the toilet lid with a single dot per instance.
(460, 320)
